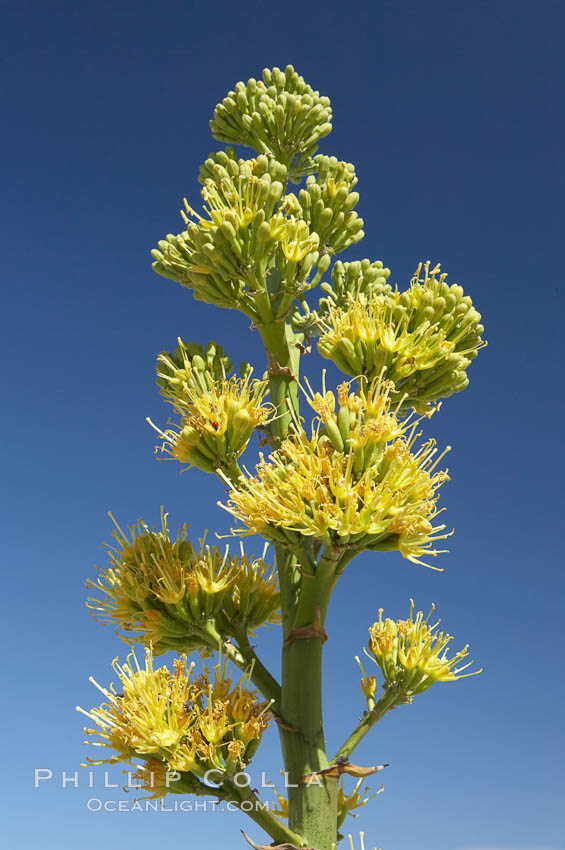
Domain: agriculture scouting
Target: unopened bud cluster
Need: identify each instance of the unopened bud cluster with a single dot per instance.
(279, 115)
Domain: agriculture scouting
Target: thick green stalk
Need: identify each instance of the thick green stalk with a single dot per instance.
(283, 355)
(313, 806)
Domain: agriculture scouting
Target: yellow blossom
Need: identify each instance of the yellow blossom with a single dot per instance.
(161, 590)
(357, 481)
(423, 339)
(186, 723)
(413, 654)
(217, 423)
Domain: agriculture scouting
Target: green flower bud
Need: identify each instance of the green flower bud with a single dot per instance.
(424, 339)
(219, 256)
(280, 116)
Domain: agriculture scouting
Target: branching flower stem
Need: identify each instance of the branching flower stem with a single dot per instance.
(390, 699)
(246, 799)
(243, 656)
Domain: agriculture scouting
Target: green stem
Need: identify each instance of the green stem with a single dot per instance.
(248, 802)
(312, 807)
(284, 360)
(242, 658)
(391, 698)
(260, 676)
(231, 472)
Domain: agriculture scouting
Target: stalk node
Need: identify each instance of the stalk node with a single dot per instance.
(312, 630)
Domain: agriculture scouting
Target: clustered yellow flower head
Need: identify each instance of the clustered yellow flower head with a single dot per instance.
(222, 255)
(192, 369)
(217, 423)
(424, 339)
(327, 204)
(225, 255)
(413, 654)
(189, 724)
(357, 481)
(162, 590)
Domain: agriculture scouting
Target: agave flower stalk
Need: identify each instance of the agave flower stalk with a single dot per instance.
(355, 470)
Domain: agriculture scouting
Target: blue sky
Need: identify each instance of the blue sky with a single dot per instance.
(450, 113)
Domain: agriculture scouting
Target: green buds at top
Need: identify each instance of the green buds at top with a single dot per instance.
(281, 116)
(413, 655)
(422, 340)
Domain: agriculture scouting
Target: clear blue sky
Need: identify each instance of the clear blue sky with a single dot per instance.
(451, 114)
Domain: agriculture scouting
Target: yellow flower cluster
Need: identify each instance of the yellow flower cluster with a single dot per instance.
(326, 205)
(170, 594)
(356, 482)
(192, 369)
(225, 255)
(413, 654)
(217, 423)
(423, 339)
(186, 723)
